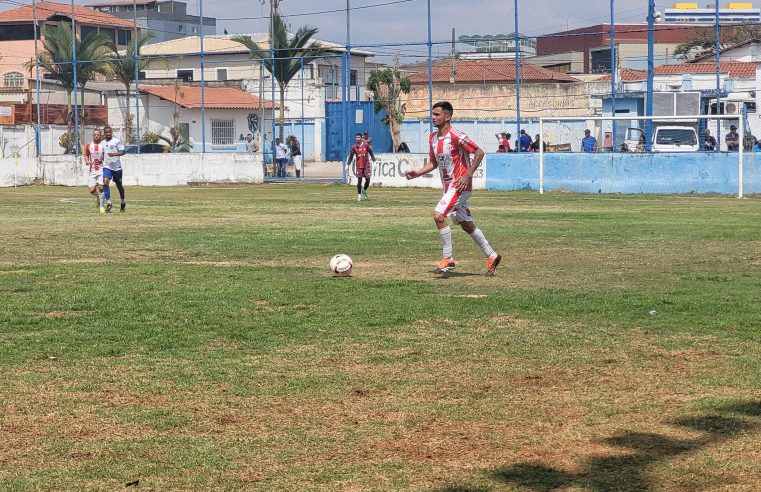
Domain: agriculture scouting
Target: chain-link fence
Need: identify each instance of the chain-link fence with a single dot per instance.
(503, 65)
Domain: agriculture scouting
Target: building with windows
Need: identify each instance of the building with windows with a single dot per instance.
(497, 46)
(17, 34)
(165, 19)
(690, 13)
(229, 64)
(587, 49)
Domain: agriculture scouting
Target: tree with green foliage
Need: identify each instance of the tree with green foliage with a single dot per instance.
(387, 86)
(292, 51)
(123, 69)
(56, 60)
(704, 44)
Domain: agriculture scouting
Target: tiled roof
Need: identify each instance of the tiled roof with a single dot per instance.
(739, 70)
(214, 97)
(627, 75)
(46, 10)
(473, 71)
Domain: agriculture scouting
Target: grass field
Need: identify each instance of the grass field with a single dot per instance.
(197, 342)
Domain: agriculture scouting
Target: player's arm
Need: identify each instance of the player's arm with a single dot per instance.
(478, 156)
(120, 151)
(350, 157)
(370, 151)
(414, 173)
(88, 157)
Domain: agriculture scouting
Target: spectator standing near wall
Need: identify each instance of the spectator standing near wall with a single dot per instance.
(296, 155)
(732, 139)
(525, 141)
(588, 143)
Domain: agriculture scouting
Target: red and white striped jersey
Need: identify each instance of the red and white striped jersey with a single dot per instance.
(95, 154)
(451, 153)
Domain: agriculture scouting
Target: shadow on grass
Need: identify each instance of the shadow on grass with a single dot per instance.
(629, 472)
(447, 275)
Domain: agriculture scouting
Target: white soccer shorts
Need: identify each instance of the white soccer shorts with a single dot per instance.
(95, 179)
(455, 205)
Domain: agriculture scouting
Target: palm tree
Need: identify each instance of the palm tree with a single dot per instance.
(123, 68)
(55, 59)
(291, 53)
(94, 51)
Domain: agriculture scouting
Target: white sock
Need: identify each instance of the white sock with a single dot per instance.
(480, 240)
(102, 198)
(446, 241)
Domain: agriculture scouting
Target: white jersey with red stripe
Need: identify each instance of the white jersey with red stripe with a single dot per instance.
(451, 153)
(95, 154)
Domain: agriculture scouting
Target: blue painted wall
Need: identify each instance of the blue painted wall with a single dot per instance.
(372, 122)
(625, 173)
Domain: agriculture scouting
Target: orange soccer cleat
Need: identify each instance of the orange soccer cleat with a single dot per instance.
(445, 265)
(492, 264)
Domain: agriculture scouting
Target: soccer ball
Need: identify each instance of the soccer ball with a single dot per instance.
(341, 264)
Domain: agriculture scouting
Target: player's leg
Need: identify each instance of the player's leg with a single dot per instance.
(117, 177)
(107, 187)
(359, 186)
(461, 215)
(101, 195)
(367, 182)
(297, 162)
(443, 209)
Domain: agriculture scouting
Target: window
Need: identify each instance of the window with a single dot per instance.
(186, 75)
(85, 31)
(353, 78)
(222, 132)
(13, 79)
(331, 78)
(221, 74)
(676, 136)
(17, 33)
(193, 29)
(123, 37)
(180, 27)
(141, 75)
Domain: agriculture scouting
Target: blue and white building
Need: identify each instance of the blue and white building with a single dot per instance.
(732, 13)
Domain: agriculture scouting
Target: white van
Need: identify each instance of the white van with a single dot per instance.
(666, 139)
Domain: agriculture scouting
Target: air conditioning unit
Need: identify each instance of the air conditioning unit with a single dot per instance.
(732, 107)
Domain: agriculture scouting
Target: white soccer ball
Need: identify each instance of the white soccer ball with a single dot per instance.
(341, 264)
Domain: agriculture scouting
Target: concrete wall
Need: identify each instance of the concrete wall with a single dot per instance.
(143, 170)
(625, 173)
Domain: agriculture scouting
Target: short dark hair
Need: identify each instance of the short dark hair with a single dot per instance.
(445, 105)
(358, 135)
(523, 132)
(107, 126)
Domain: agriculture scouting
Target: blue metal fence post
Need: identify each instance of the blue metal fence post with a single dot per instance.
(516, 37)
(613, 75)
(650, 74)
(74, 69)
(136, 62)
(37, 136)
(717, 33)
(430, 71)
(203, 80)
(303, 148)
(344, 112)
(273, 6)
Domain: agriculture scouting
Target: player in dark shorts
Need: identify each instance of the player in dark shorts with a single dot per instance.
(360, 151)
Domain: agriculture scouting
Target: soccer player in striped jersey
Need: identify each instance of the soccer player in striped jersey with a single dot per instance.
(450, 151)
(94, 156)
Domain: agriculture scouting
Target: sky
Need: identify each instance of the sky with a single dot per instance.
(391, 22)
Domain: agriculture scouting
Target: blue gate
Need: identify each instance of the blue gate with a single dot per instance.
(362, 118)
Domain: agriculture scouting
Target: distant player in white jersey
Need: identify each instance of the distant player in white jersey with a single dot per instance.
(450, 151)
(94, 155)
(112, 167)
